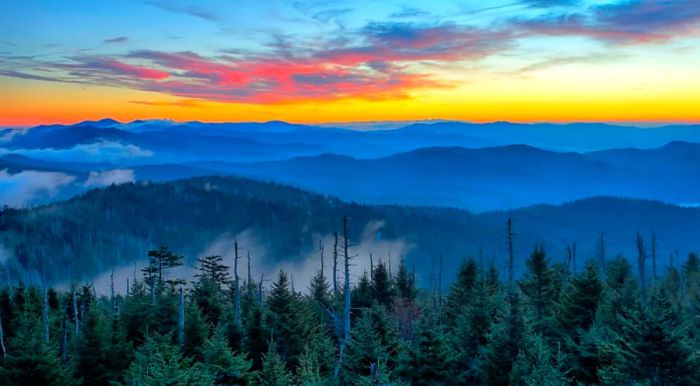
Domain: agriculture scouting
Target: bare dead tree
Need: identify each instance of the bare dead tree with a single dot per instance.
(440, 282)
(260, 289)
(236, 287)
(601, 254)
(111, 292)
(45, 315)
(653, 258)
(181, 319)
(3, 351)
(75, 312)
(511, 254)
(323, 267)
(641, 257)
(127, 286)
(335, 263)
(371, 267)
(249, 291)
(346, 312)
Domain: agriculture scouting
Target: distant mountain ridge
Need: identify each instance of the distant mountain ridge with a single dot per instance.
(115, 226)
(481, 179)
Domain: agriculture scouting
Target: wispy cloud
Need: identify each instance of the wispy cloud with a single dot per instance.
(176, 6)
(629, 22)
(116, 40)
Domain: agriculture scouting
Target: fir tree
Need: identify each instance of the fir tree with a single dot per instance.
(227, 367)
(274, 372)
(159, 362)
(540, 293)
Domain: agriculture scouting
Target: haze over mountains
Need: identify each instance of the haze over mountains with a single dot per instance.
(473, 166)
(281, 227)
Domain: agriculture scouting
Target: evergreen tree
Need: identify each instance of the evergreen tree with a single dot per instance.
(382, 286)
(461, 290)
(227, 367)
(29, 360)
(506, 341)
(158, 362)
(539, 288)
(363, 350)
(94, 354)
(362, 296)
(429, 360)
(405, 285)
(286, 321)
(257, 337)
(274, 372)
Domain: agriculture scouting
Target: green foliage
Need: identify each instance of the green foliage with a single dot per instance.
(158, 362)
(546, 329)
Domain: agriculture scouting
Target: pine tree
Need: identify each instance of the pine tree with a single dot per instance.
(363, 350)
(227, 367)
(94, 355)
(382, 286)
(577, 311)
(257, 337)
(405, 285)
(362, 296)
(29, 360)
(540, 290)
(286, 321)
(506, 341)
(196, 331)
(274, 372)
(159, 362)
(428, 361)
(461, 290)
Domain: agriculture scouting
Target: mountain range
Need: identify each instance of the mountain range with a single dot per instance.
(71, 159)
(113, 227)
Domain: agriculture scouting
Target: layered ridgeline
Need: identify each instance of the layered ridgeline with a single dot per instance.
(280, 226)
(478, 167)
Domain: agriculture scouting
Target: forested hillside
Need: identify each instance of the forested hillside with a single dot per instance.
(115, 226)
(606, 325)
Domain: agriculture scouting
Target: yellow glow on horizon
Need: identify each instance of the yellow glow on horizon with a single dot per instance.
(577, 92)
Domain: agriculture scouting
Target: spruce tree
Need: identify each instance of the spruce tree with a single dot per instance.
(274, 372)
(382, 286)
(539, 288)
(287, 321)
(228, 368)
(159, 362)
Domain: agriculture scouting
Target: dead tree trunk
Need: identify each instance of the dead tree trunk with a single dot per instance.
(371, 267)
(250, 286)
(64, 338)
(511, 255)
(601, 255)
(323, 267)
(346, 312)
(260, 289)
(653, 258)
(75, 313)
(440, 282)
(181, 319)
(335, 263)
(236, 287)
(111, 293)
(45, 316)
(640, 265)
(3, 351)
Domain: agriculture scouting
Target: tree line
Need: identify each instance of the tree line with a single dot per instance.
(605, 325)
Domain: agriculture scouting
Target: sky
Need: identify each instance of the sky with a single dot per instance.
(317, 61)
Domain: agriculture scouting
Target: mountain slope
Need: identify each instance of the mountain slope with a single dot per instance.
(116, 225)
(490, 178)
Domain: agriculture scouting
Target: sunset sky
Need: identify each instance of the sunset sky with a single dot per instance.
(334, 61)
